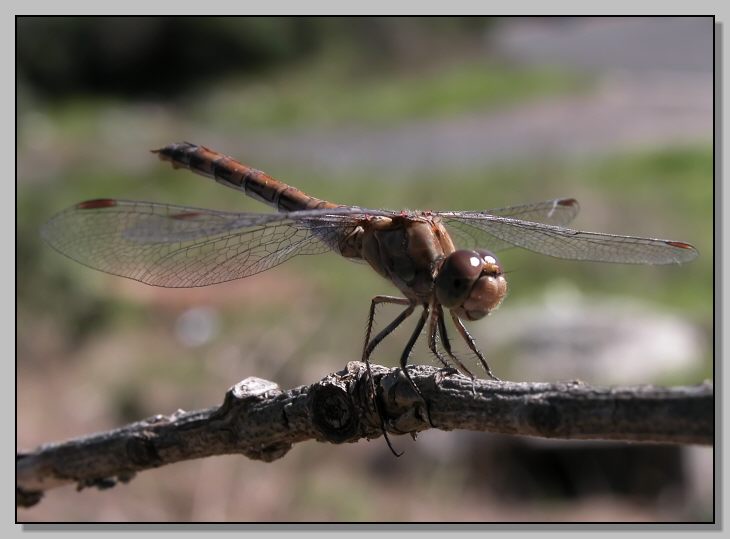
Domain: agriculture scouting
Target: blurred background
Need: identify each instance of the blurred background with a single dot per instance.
(430, 113)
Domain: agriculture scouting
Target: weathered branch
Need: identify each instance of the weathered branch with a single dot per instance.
(261, 421)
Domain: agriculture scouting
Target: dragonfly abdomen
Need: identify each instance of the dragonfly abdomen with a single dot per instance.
(227, 171)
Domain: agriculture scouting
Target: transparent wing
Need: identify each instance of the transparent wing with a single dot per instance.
(488, 230)
(558, 211)
(178, 246)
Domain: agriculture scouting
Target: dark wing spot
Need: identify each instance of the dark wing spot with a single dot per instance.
(96, 204)
(567, 202)
(680, 245)
(186, 215)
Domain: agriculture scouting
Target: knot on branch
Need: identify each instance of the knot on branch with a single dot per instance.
(239, 411)
(406, 411)
(344, 409)
(333, 412)
(250, 389)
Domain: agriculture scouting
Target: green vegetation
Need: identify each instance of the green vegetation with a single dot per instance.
(316, 94)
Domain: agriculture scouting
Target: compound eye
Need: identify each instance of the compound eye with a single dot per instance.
(458, 274)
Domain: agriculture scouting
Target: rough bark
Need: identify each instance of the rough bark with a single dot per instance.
(259, 420)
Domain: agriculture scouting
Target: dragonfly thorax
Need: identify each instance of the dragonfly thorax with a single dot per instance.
(471, 283)
(406, 251)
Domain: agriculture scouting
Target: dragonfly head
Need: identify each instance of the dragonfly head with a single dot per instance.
(471, 283)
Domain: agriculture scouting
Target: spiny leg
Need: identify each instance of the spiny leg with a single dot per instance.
(472, 345)
(409, 346)
(447, 344)
(433, 326)
(370, 346)
(407, 352)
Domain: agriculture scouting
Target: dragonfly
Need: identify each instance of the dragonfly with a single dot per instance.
(180, 246)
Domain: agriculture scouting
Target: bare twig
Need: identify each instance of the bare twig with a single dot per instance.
(262, 422)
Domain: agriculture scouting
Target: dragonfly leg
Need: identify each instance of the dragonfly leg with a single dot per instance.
(407, 352)
(433, 326)
(371, 344)
(472, 345)
(409, 346)
(447, 344)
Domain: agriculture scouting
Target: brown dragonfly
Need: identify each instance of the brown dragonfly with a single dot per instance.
(179, 246)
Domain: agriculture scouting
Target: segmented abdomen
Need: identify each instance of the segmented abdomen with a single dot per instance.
(228, 171)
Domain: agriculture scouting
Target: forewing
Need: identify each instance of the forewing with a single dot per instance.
(558, 211)
(488, 230)
(177, 246)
